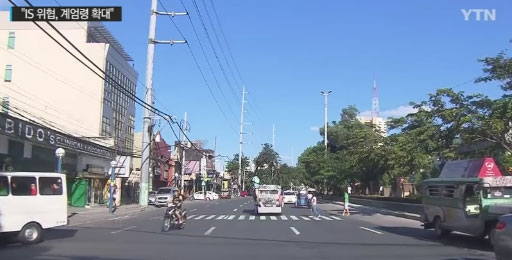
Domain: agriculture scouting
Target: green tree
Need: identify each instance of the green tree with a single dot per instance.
(266, 163)
(232, 165)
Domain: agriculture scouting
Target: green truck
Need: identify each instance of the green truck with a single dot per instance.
(468, 197)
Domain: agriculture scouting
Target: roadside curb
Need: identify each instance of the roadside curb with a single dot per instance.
(398, 214)
(106, 216)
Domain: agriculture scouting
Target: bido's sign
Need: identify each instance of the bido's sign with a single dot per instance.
(15, 127)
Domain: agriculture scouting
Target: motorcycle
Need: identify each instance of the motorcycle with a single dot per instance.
(170, 220)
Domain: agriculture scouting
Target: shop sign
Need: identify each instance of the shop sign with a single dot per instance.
(15, 127)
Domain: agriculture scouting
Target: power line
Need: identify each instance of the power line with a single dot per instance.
(132, 96)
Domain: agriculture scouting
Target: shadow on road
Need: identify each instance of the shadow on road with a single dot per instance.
(40, 252)
(454, 239)
(50, 234)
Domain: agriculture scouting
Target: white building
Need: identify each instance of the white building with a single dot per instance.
(379, 122)
(55, 101)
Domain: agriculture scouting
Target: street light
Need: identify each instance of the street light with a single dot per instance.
(59, 152)
(113, 164)
(325, 94)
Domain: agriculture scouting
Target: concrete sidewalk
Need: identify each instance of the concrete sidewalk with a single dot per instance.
(381, 211)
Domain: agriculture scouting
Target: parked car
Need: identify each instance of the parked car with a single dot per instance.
(502, 237)
(208, 195)
(244, 193)
(163, 195)
(289, 197)
(152, 198)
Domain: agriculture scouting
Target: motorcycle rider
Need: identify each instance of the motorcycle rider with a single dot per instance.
(177, 202)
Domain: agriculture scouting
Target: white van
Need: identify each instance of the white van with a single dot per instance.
(31, 202)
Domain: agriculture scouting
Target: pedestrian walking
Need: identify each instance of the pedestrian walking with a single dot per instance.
(314, 206)
(346, 211)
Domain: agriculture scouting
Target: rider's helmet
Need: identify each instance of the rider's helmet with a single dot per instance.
(176, 192)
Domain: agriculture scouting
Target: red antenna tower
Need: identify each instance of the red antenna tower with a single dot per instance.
(375, 100)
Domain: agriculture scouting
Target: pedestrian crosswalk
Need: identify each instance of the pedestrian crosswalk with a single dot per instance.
(263, 218)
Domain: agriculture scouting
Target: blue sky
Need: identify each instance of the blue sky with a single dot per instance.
(288, 51)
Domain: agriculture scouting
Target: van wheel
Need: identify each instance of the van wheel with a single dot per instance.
(31, 233)
(440, 232)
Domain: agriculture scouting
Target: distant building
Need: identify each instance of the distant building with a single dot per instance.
(50, 100)
(379, 122)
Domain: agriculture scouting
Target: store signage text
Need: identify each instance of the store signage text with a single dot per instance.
(12, 126)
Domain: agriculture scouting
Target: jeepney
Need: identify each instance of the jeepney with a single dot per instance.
(467, 200)
(268, 199)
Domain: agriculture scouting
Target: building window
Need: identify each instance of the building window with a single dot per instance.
(105, 126)
(5, 105)
(11, 40)
(8, 73)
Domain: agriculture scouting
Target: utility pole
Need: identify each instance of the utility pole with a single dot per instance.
(184, 145)
(325, 94)
(149, 95)
(240, 155)
(293, 158)
(273, 136)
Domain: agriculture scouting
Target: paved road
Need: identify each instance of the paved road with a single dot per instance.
(227, 229)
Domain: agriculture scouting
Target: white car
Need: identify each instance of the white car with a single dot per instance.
(289, 197)
(200, 195)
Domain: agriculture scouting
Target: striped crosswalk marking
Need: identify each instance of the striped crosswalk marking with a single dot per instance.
(254, 217)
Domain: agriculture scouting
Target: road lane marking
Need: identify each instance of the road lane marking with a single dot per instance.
(241, 205)
(324, 217)
(242, 217)
(191, 216)
(210, 217)
(295, 231)
(294, 217)
(193, 210)
(273, 218)
(283, 217)
(159, 217)
(334, 217)
(262, 217)
(252, 217)
(200, 217)
(305, 218)
(209, 231)
(315, 218)
(235, 209)
(221, 216)
(371, 230)
(124, 229)
(231, 217)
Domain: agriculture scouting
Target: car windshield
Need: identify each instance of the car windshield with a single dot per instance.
(289, 193)
(152, 193)
(164, 191)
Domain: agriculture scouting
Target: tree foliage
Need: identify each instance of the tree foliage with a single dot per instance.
(448, 125)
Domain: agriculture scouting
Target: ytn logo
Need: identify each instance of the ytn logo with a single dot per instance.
(486, 14)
